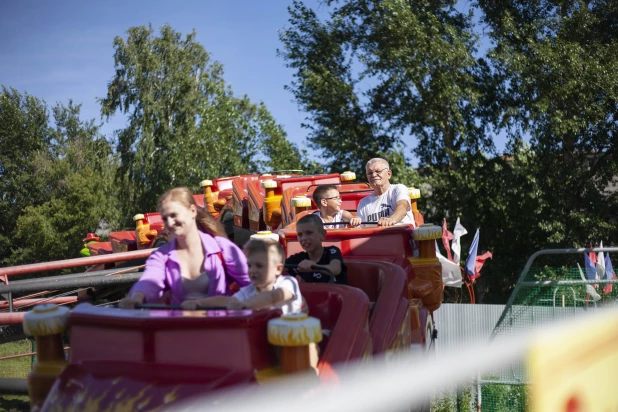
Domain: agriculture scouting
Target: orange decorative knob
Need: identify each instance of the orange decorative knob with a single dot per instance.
(295, 333)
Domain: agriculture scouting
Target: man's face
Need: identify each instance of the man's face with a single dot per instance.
(378, 174)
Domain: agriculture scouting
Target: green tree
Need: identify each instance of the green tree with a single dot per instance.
(76, 176)
(558, 61)
(184, 122)
(375, 72)
(23, 135)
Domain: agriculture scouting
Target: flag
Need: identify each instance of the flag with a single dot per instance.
(451, 272)
(471, 261)
(609, 274)
(458, 232)
(475, 263)
(600, 265)
(480, 261)
(589, 289)
(446, 236)
(593, 256)
(591, 270)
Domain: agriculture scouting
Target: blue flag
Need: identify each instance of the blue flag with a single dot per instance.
(609, 270)
(471, 261)
(591, 270)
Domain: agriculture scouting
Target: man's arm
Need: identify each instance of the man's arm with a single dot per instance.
(350, 218)
(400, 212)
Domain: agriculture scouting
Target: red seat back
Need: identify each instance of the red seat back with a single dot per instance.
(344, 311)
(385, 285)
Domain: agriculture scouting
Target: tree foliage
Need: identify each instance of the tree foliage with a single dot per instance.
(57, 177)
(375, 72)
(375, 75)
(23, 134)
(184, 122)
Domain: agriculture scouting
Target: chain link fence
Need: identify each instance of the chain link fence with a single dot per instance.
(550, 289)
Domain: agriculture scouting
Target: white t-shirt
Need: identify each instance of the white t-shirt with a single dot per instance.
(283, 281)
(371, 208)
(337, 218)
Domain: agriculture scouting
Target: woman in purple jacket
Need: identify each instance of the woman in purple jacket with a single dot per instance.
(197, 262)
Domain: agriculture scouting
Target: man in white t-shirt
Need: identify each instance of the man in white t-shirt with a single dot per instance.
(389, 204)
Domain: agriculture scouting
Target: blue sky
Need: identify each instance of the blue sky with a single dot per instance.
(63, 49)
(56, 50)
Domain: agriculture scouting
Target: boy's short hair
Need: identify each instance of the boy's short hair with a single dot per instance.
(264, 246)
(320, 193)
(312, 219)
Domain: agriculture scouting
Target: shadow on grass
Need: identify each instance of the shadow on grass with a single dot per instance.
(14, 403)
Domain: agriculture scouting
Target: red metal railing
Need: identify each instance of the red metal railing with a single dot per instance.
(17, 317)
(72, 263)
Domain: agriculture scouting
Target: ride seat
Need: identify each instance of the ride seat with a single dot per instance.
(344, 311)
(385, 285)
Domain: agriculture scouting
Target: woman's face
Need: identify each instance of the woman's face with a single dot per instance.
(177, 218)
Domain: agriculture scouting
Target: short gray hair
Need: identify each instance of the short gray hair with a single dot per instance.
(376, 160)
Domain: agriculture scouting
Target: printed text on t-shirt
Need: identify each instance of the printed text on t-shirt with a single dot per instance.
(385, 212)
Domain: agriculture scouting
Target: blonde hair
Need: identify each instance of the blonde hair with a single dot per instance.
(264, 246)
(205, 222)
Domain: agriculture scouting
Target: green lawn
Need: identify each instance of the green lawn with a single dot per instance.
(15, 368)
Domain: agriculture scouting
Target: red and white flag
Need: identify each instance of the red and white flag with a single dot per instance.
(446, 237)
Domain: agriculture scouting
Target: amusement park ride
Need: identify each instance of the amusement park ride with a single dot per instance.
(147, 358)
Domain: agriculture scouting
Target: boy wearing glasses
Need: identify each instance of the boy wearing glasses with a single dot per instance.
(328, 200)
(389, 204)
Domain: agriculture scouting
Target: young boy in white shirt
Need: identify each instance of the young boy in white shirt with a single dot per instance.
(268, 286)
(328, 201)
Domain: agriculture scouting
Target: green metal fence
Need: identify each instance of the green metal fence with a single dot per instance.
(549, 289)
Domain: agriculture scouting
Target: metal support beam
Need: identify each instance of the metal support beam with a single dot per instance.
(14, 386)
(60, 282)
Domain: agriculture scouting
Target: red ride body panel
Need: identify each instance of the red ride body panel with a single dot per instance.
(99, 248)
(123, 241)
(240, 195)
(153, 357)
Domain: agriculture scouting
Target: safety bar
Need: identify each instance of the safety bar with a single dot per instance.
(316, 268)
(161, 306)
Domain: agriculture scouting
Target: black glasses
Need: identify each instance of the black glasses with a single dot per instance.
(334, 197)
(376, 172)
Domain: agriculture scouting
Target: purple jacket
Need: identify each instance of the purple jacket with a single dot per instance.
(162, 271)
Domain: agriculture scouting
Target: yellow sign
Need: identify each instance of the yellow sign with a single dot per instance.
(576, 369)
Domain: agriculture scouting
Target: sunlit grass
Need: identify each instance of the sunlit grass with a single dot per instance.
(15, 368)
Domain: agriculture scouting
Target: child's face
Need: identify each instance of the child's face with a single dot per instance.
(331, 201)
(309, 237)
(264, 268)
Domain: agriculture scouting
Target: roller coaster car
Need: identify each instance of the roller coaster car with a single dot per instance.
(394, 245)
(142, 360)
